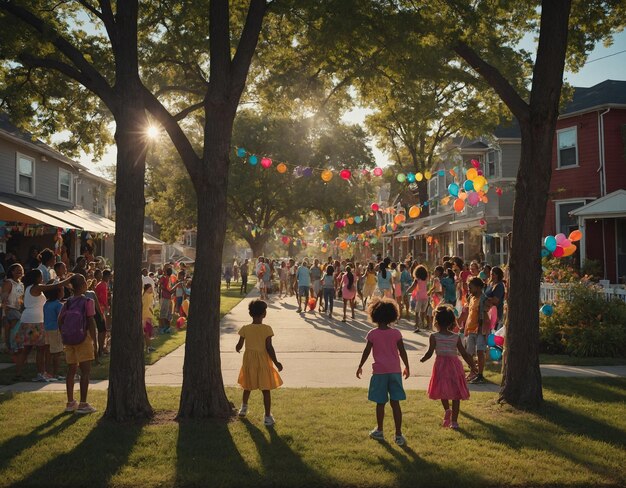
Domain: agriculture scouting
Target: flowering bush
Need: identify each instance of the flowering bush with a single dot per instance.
(555, 271)
(584, 324)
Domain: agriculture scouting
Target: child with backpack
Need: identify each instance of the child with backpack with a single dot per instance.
(78, 332)
(54, 345)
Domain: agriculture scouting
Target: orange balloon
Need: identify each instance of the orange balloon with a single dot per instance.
(327, 175)
(569, 250)
(575, 235)
(459, 205)
(343, 245)
(350, 220)
(414, 212)
(485, 199)
(462, 195)
(398, 219)
(471, 174)
(281, 168)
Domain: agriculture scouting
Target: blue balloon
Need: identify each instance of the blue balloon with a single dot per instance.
(358, 219)
(545, 253)
(441, 172)
(550, 243)
(307, 172)
(453, 189)
(241, 152)
(547, 310)
(410, 177)
(491, 340)
(495, 353)
(425, 204)
(468, 185)
(253, 160)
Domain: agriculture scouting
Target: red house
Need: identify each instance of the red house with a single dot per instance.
(588, 186)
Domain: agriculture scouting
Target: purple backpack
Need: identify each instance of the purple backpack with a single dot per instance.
(74, 328)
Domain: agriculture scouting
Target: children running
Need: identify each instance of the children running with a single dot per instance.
(447, 382)
(386, 383)
(257, 372)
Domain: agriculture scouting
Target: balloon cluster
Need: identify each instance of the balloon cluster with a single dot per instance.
(472, 191)
(561, 246)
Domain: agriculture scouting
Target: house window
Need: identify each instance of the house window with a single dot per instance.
(96, 194)
(433, 187)
(25, 183)
(65, 185)
(565, 223)
(460, 244)
(491, 166)
(567, 148)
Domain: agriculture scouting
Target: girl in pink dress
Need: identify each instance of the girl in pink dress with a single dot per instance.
(447, 382)
(348, 291)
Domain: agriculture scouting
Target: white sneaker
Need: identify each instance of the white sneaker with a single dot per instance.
(40, 379)
(377, 434)
(85, 408)
(400, 440)
(269, 421)
(243, 411)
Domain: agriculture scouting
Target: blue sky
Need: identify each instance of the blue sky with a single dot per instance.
(595, 71)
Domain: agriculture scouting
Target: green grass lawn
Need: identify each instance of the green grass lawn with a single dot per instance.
(163, 344)
(578, 438)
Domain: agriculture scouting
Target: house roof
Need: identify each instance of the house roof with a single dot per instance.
(609, 206)
(508, 130)
(609, 92)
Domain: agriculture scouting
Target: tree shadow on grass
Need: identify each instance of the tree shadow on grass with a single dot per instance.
(594, 389)
(93, 461)
(206, 455)
(413, 471)
(13, 447)
(525, 434)
(283, 466)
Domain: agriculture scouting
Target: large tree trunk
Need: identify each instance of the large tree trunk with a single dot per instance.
(257, 245)
(127, 398)
(203, 392)
(521, 383)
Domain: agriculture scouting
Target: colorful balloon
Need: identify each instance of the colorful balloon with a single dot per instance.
(401, 177)
(453, 189)
(471, 173)
(253, 160)
(495, 353)
(473, 198)
(575, 235)
(479, 182)
(410, 177)
(462, 195)
(428, 175)
(545, 253)
(307, 172)
(266, 162)
(565, 243)
(419, 176)
(558, 252)
(499, 341)
(398, 219)
(375, 207)
(569, 250)
(281, 168)
(327, 175)
(441, 172)
(346, 174)
(560, 238)
(241, 152)
(185, 306)
(547, 310)
(468, 185)
(459, 205)
(378, 172)
(414, 212)
(550, 243)
(358, 219)
(499, 192)
(475, 163)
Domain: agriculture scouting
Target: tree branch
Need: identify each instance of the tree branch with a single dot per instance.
(497, 81)
(185, 112)
(247, 45)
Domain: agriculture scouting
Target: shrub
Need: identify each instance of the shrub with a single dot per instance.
(584, 324)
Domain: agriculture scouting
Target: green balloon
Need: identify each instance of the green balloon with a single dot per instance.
(401, 177)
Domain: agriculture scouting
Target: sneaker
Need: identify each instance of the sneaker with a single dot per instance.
(377, 434)
(85, 408)
(71, 406)
(299, 310)
(454, 425)
(400, 440)
(243, 411)
(447, 417)
(40, 379)
(60, 377)
(269, 421)
(479, 380)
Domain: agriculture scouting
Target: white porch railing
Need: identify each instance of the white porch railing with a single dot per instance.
(551, 292)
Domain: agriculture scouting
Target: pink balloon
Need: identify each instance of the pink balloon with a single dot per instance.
(493, 315)
(499, 341)
(266, 162)
(378, 172)
(480, 172)
(560, 238)
(475, 163)
(473, 198)
(565, 243)
(558, 252)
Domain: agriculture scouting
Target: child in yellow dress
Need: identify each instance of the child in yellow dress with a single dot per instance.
(257, 372)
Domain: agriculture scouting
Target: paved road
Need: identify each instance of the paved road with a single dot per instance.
(316, 351)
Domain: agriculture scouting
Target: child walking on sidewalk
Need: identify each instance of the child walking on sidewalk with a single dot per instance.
(386, 382)
(447, 382)
(257, 372)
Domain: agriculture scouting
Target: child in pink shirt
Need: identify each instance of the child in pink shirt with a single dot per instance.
(386, 383)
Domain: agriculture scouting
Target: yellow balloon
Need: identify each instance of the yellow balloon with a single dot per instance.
(471, 173)
(479, 182)
(414, 212)
(281, 168)
(327, 175)
(428, 175)
(419, 176)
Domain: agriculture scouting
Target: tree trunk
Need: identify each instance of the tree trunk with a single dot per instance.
(127, 397)
(203, 392)
(257, 245)
(521, 383)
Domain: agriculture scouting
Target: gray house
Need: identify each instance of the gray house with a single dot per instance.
(480, 232)
(49, 200)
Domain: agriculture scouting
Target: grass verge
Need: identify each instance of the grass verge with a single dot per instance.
(163, 344)
(576, 439)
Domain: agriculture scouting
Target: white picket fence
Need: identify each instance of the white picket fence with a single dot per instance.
(551, 292)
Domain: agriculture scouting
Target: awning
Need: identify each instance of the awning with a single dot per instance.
(609, 206)
(94, 222)
(151, 240)
(12, 210)
(409, 230)
(465, 224)
(440, 227)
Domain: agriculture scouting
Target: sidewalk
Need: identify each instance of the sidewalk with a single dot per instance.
(316, 352)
